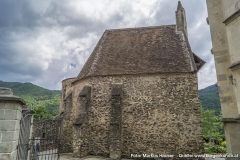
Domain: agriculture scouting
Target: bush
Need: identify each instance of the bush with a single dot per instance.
(42, 113)
(220, 140)
(206, 144)
(215, 149)
(224, 144)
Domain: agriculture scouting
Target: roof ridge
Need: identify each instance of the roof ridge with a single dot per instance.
(148, 27)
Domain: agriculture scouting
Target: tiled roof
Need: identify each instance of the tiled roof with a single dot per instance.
(159, 49)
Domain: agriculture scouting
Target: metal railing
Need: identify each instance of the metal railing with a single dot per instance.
(42, 142)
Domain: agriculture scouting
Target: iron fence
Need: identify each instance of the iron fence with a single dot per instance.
(40, 140)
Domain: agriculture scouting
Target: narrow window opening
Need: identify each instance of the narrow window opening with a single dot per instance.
(43, 135)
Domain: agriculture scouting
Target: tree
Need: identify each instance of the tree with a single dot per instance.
(212, 126)
(42, 113)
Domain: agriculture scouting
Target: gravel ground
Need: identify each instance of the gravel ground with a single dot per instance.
(68, 156)
(221, 158)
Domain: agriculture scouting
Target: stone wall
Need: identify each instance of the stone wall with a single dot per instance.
(159, 114)
(66, 109)
(10, 116)
(233, 39)
(231, 10)
(222, 58)
(224, 24)
(49, 133)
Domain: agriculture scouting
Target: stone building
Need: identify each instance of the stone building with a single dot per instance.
(224, 21)
(137, 93)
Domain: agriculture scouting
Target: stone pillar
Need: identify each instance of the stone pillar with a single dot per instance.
(115, 122)
(10, 116)
(82, 118)
(67, 113)
(85, 99)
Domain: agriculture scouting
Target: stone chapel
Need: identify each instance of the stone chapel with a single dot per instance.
(136, 94)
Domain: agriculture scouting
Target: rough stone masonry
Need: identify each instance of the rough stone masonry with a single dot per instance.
(136, 94)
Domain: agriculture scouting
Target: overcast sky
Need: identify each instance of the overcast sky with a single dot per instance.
(46, 41)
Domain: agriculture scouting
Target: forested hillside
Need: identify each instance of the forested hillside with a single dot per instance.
(35, 96)
(209, 98)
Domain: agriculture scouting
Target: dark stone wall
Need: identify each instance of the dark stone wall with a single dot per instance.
(160, 114)
(68, 114)
(49, 133)
(68, 119)
(115, 128)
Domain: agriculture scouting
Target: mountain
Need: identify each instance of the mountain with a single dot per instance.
(209, 98)
(35, 95)
(57, 91)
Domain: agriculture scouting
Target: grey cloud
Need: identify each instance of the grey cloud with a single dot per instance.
(53, 77)
(163, 16)
(15, 14)
(18, 63)
(20, 21)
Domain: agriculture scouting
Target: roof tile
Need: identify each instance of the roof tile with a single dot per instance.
(140, 50)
